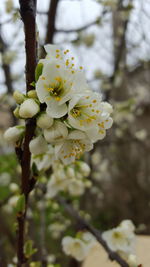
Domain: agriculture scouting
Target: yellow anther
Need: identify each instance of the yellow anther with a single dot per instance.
(57, 50)
(57, 56)
(67, 62)
(57, 66)
(50, 89)
(72, 58)
(94, 101)
(72, 71)
(58, 98)
(72, 65)
(87, 97)
(58, 79)
(81, 68)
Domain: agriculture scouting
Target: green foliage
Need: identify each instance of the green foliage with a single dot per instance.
(29, 250)
(20, 206)
(38, 71)
(8, 163)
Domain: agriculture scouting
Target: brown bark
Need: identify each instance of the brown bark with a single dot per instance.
(28, 15)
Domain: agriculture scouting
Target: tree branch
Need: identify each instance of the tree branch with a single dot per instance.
(80, 28)
(51, 21)
(85, 225)
(28, 15)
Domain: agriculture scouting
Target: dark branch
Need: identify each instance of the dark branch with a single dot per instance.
(51, 21)
(28, 15)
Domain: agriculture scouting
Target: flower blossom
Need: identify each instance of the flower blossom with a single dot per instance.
(79, 246)
(121, 238)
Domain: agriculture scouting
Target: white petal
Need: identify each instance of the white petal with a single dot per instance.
(55, 110)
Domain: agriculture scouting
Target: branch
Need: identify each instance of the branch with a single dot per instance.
(80, 28)
(51, 21)
(28, 15)
(112, 255)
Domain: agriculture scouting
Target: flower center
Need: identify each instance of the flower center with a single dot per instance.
(76, 112)
(56, 89)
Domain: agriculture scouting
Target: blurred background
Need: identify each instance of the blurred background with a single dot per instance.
(111, 40)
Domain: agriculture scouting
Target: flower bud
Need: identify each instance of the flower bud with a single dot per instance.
(28, 109)
(38, 145)
(19, 97)
(14, 187)
(13, 134)
(32, 94)
(70, 172)
(84, 168)
(44, 121)
(56, 133)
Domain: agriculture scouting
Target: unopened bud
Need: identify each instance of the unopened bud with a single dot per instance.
(32, 94)
(13, 134)
(44, 121)
(19, 97)
(28, 109)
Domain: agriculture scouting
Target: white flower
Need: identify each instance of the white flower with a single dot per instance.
(74, 247)
(73, 147)
(28, 109)
(57, 133)
(56, 86)
(84, 110)
(76, 187)
(89, 240)
(121, 238)
(132, 260)
(13, 134)
(57, 183)
(128, 226)
(108, 107)
(44, 161)
(84, 168)
(53, 52)
(99, 132)
(38, 145)
(44, 121)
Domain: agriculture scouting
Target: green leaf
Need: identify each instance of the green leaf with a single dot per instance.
(38, 71)
(33, 84)
(20, 206)
(28, 249)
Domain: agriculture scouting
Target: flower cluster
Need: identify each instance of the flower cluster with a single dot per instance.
(121, 239)
(69, 116)
(80, 246)
(71, 179)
